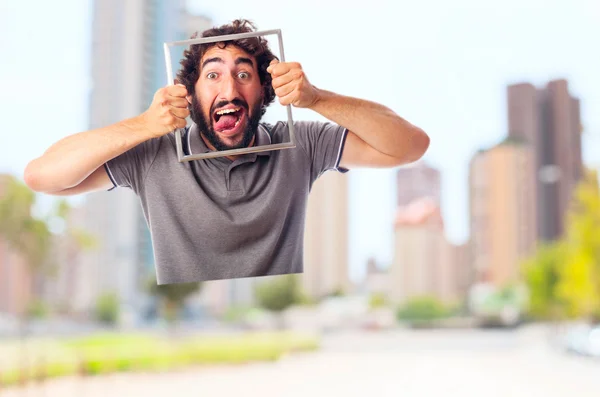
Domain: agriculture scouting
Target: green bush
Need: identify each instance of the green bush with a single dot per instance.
(236, 313)
(107, 309)
(306, 300)
(107, 353)
(37, 309)
(58, 369)
(280, 293)
(422, 310)
(377, 300)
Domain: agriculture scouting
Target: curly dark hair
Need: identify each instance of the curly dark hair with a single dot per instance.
(257, 47)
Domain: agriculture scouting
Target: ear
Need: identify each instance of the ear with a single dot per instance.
(189, 99)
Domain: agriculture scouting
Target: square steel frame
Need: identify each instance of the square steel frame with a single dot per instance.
(213, 154)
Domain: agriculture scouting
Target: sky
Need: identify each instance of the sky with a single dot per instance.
(443, 66)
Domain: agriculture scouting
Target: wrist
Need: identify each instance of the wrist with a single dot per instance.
(318, 97)
(140, 126)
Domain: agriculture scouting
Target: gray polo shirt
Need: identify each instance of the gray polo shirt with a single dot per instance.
(216, 218)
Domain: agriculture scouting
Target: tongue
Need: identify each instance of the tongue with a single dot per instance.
(226, 122)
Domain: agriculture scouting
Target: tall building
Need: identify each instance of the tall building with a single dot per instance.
(502, 216)
(326, 236)
(70, 277)
(424, 261)
(128, 66)
(16, 282)
(549, 119)
(418, 180)
(376, 280)
(463, 269)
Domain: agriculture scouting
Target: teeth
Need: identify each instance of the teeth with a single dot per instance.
(225, 111)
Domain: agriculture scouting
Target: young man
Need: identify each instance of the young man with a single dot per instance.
(228, 217)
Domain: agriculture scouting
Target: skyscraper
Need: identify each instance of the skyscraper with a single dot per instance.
(127, 68)
(424, 261)
(66, 283)
(326, 236)
(15, 280)
(549, 119)
(502, 218)
(416, 181)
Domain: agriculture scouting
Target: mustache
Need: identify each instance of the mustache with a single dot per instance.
(235, 102)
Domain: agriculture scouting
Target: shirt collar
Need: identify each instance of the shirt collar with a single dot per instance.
(197, 146)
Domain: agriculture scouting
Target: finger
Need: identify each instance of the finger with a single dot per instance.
(176, 90)
(283, 80)
(283, 67)
(285, 90)
(279, 69)
(178, 123)
(271, 64)
(180, 113)
(287, 99)
(177, 102)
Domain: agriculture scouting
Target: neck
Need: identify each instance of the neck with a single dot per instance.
(212, 148)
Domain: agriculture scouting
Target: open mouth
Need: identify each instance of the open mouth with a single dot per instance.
(227, 120)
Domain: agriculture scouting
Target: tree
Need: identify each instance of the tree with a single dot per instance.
(279, 294)
(579, 279)
(107, 309)
(564, 277)
(172, 297)
(541, 273)
(27, 235)
(31, 236)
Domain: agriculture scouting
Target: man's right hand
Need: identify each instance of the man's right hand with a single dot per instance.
(167, 112)
(73, 165)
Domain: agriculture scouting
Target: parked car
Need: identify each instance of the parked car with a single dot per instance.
(500, 307)
(583, 340)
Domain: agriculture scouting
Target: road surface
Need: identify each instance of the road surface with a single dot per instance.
(390, 363)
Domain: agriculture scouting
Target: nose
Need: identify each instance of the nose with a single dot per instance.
(229, 89)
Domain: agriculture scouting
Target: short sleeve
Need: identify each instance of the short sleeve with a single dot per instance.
(129, 169)
(323, 143)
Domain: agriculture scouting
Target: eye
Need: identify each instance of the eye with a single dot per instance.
(211, 75)
(243, 75)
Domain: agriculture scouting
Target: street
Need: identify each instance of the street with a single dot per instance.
(388, 363)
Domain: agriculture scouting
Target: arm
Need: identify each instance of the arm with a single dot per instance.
(74, 164)
(69, 162)
(377, 136)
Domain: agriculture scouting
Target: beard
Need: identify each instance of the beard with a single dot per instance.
(207, 129)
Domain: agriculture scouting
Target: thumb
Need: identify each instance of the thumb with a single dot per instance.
(273, 63)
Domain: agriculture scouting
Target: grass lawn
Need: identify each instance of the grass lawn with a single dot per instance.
(105, 353)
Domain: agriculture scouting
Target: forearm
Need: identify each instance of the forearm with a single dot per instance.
(377, 125)
(72, 159)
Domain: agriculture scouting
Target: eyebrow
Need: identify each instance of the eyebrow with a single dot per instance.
(241, 60)
(238, 61)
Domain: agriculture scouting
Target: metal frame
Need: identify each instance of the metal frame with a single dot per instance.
(170, 80)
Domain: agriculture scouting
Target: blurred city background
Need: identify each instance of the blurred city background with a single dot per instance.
(475, 270)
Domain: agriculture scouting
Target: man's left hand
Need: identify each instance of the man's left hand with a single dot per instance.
(291, 84)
